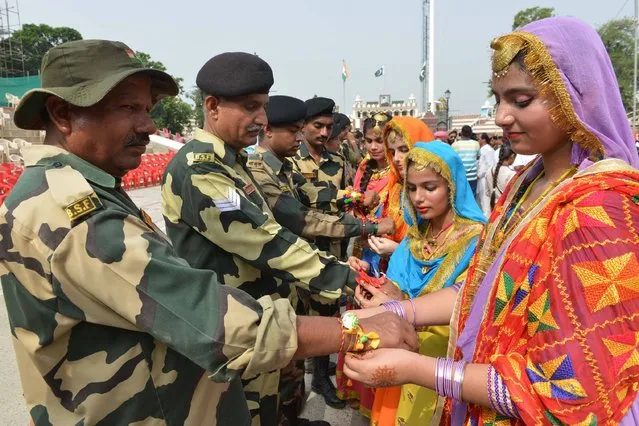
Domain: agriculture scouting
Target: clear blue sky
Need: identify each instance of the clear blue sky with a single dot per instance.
(305, 41)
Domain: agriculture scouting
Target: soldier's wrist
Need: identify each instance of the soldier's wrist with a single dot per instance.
(369, 228)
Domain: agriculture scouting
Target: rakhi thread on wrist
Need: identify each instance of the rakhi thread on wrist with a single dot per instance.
(350, 326)
(449, 377)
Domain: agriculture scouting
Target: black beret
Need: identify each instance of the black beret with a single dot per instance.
(234, 74)
(319, 106)
(340, 122)
(285, 110)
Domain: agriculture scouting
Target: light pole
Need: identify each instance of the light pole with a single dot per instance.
(447, 97)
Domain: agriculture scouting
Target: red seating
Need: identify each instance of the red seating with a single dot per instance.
(9, 174)
(149, 172)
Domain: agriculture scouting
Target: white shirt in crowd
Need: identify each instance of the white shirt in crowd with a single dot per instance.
(486, 162)
(506, 173)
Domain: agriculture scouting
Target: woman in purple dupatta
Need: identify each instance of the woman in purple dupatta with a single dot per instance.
(545, 330)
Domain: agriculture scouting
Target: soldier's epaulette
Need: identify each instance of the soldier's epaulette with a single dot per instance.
(72, 193)
(255, 160)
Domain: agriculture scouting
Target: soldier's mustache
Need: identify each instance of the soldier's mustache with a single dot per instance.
(139, 139)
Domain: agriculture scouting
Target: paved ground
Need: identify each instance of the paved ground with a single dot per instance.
(13, 411)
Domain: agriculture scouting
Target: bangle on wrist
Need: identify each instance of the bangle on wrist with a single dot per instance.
(397, 308)
(449, 377)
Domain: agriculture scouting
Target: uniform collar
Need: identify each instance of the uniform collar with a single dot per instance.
(50, 156)
(228, 155)
(305, 152)
(273, 162)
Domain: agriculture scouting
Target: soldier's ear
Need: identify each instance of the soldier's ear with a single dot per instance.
(59, 112)
(212, 105)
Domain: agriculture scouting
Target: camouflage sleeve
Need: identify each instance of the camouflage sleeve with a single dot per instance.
(112, 270)
(238, 226)
(349, 153)
(304, 221)
(320, 195)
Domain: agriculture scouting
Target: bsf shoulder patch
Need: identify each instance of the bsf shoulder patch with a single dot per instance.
(203, 157)
(231, 203)
(83, 207)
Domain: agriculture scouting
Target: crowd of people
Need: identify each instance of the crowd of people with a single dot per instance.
(476, 290)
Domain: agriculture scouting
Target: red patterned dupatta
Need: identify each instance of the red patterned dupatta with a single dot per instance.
(561, 325)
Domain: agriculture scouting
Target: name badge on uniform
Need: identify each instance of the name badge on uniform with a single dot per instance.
(147, 219)
(285, 188)
(203, 157)
(83, 207)
(249, 188)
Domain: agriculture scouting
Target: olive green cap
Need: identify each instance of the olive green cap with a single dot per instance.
(82, 73)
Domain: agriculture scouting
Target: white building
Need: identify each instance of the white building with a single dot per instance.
(484, 122)
(363, 110)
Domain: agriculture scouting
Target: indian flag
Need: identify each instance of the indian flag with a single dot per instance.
(344, 71)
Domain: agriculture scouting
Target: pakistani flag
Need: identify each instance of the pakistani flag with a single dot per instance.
(380, 72)
(422, 73)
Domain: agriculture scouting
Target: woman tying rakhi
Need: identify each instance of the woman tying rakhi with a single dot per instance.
(548, 317)
(373, 174)
(445, 222)
(399, 136)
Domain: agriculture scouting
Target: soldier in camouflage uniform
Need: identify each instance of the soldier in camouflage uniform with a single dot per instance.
(109, 325)
(316, 164)
(217, 217)
(287, 194)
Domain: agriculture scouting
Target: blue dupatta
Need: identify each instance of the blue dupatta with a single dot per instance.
(406, 269)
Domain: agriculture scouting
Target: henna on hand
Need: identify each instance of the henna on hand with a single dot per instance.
(384, 376)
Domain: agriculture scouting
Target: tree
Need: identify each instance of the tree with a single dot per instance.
(529, 15)
(146, 60)
(171, 113)
(31, 42)
(196, 96)
(618, 37)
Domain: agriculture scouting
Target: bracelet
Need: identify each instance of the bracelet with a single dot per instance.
(458, 379)
(414, 313)
(449, 377)
(396, 307)
(499, 396)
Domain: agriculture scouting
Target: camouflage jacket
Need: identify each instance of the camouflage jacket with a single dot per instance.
(217, 219)
(290, 201)
(330, 168)
(330, 171)
(109, 325)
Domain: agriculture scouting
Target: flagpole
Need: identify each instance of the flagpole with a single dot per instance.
(344, 96)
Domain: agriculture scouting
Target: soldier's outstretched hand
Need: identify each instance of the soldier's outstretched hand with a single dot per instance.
(394, 332)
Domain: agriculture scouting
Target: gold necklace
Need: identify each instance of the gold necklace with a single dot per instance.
(380, 173)
(428, 242)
